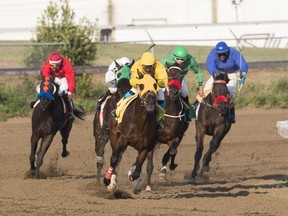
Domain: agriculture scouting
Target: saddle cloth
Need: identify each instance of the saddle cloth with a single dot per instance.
(122, 106)
(124, 103)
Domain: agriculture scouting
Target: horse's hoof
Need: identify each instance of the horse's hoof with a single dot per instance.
(65, 154)
(173, 166)
(162, 176)
(192, 181)
(106, 181)
(111, 187)
(148, 188)
(163, 173)
(205, 168)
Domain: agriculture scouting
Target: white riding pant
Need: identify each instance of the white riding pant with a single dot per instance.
(63, 85)
(231, 85)
(184, 89)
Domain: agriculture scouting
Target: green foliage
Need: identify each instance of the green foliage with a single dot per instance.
(264, 96)
(57, 25)
(85, 88)
(14, 100)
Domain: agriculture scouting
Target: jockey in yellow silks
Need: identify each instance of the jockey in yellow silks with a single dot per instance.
(148, 65)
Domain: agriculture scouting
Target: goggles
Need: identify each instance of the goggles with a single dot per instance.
(55, 66)
(180, 59)
(222, 54)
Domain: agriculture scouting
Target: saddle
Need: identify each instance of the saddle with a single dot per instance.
(122, 106)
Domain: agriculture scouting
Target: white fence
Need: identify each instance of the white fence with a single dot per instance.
(265, 35)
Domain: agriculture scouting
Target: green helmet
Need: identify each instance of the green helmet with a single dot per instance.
(180, 52)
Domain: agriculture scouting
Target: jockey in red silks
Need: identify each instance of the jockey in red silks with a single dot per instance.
(62, 69)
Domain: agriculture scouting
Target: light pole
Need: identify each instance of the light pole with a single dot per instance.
(236, 3)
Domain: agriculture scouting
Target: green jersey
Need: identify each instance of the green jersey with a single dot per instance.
(190, 63)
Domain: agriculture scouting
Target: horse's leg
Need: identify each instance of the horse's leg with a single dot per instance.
(114, 160)
(34, 142)
(198, 154)
(65, 131)
(173, 153)
(165, 160)
(138, 164)
(214, 145)
(149, 169)
(45, 144)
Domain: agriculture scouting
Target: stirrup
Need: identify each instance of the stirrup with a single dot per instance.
(113, 113)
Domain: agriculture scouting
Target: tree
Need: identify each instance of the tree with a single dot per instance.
(56, 31)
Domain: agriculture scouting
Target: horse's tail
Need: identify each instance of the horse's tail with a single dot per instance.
(79, 114)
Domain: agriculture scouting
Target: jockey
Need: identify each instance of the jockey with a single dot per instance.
(62, 69)
(185, 61)
(110, 77)
(228, 60)
(148, 65)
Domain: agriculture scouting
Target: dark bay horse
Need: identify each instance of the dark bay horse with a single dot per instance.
(103, 115)
(212, 120)
(174, 121)
(137, 129)
(49, 116)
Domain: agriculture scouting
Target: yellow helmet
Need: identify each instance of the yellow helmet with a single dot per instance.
(147, 59)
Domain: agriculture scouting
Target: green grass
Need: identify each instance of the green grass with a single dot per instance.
(264, 88)
(13, 56)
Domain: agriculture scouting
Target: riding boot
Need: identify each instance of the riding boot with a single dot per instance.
(159, 124)
(190, 112)
(232, 115)
(102, 99)
(70, 109)
(32, 103)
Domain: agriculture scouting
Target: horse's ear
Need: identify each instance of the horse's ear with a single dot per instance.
(131, 64)
(140, 75)
(117, 64)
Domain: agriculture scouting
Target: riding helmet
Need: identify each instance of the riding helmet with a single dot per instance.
(221, 48)
(147, 59)
(180, 52)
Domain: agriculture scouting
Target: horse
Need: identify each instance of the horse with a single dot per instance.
(103, 115)
(49, 116)
(212, 120)
(137, 129)
(174, 122)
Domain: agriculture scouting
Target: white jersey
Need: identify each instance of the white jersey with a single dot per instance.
(110, 75)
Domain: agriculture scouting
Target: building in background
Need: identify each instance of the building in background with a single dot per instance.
(197, 22)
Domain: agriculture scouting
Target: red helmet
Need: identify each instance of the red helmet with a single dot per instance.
(55, 58)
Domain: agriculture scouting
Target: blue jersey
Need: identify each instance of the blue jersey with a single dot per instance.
(232, 64)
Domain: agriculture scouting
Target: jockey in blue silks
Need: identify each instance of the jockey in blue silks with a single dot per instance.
(228, 60)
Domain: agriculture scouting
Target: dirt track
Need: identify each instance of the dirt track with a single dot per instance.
(248, 174)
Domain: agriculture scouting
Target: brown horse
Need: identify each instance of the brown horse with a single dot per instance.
(174, 121)
(49, 117)
(103, 115)
(212, 120)
(137, 129)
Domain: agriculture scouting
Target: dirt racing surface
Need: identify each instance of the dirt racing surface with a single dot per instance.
(248, 174)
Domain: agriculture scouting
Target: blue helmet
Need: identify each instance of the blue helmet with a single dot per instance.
(221, 48)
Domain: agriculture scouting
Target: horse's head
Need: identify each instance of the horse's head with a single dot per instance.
(174, 81)
(220, 93)
(147, 88)
(123, 76)
(48, 90)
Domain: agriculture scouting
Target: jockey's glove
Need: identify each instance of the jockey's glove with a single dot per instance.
(242, 78)
(69, 95)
